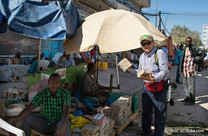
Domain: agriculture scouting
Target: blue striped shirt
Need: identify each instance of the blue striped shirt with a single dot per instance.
(147, 62)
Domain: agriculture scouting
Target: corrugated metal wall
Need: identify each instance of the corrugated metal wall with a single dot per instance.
(51, 47)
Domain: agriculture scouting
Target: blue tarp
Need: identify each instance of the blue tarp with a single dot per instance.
(3, 25)
(2, 18)
(45, 20)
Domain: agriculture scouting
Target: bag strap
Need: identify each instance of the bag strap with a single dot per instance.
(156, 59)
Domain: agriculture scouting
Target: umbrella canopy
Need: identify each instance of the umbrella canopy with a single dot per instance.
(113, 31)
(45, 20)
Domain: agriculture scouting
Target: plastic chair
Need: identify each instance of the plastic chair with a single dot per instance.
(9, 128)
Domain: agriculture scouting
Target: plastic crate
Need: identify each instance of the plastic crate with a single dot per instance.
(135, 99)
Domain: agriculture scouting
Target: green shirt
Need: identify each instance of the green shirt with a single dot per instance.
(52, 107)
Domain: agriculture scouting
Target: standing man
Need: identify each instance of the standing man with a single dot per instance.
(178, 61)
(154, 91)
(54, 117)
(191, 62)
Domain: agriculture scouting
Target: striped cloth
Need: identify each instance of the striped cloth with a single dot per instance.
(189, 66)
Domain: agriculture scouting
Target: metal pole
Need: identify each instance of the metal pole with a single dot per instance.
(117, 74)
(159, 25)
(98, 53)
(38, 56)
(156, 15)
(111, 80)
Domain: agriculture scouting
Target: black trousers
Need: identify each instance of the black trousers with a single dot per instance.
(154, 102)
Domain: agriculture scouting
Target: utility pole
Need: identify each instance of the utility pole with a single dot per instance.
(156, 15)
(159, 25)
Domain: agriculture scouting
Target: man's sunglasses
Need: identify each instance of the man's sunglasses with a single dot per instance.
(146, 43)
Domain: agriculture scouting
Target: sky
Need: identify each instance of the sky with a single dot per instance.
(195, 23)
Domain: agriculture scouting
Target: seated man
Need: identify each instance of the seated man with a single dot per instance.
(77, 58)
(54, 114)
(43, 63)
(91, 88)
(66, 61)
(17, 59)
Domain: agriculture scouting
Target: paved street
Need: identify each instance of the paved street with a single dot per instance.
(179, 115)
(196, 114)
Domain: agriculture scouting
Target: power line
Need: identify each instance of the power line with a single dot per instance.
(149, 14)
(186, 14)
(177, 14)
(164, 26)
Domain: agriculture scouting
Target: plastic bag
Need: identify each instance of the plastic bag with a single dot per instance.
(78, 122)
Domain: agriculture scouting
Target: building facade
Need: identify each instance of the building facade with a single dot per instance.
(88, 7)
(205, 36)
(85, 8)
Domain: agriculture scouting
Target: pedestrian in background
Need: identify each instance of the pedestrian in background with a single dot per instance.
(164, 48)
(129, 55)
(154, 91)
(17, 59)
(191, 60)
(178, 60)
(66, 61)
(42, 62)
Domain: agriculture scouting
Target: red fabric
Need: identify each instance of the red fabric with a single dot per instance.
(85, 58)
(170, 47)
(92, 53)
(152, 86)
(34, 58)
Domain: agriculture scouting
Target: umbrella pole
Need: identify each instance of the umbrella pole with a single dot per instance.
(38, 56)
(117, 74)
(97, 60)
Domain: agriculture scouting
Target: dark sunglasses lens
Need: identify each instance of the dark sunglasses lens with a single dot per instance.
(143, 44)
(146, 43)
